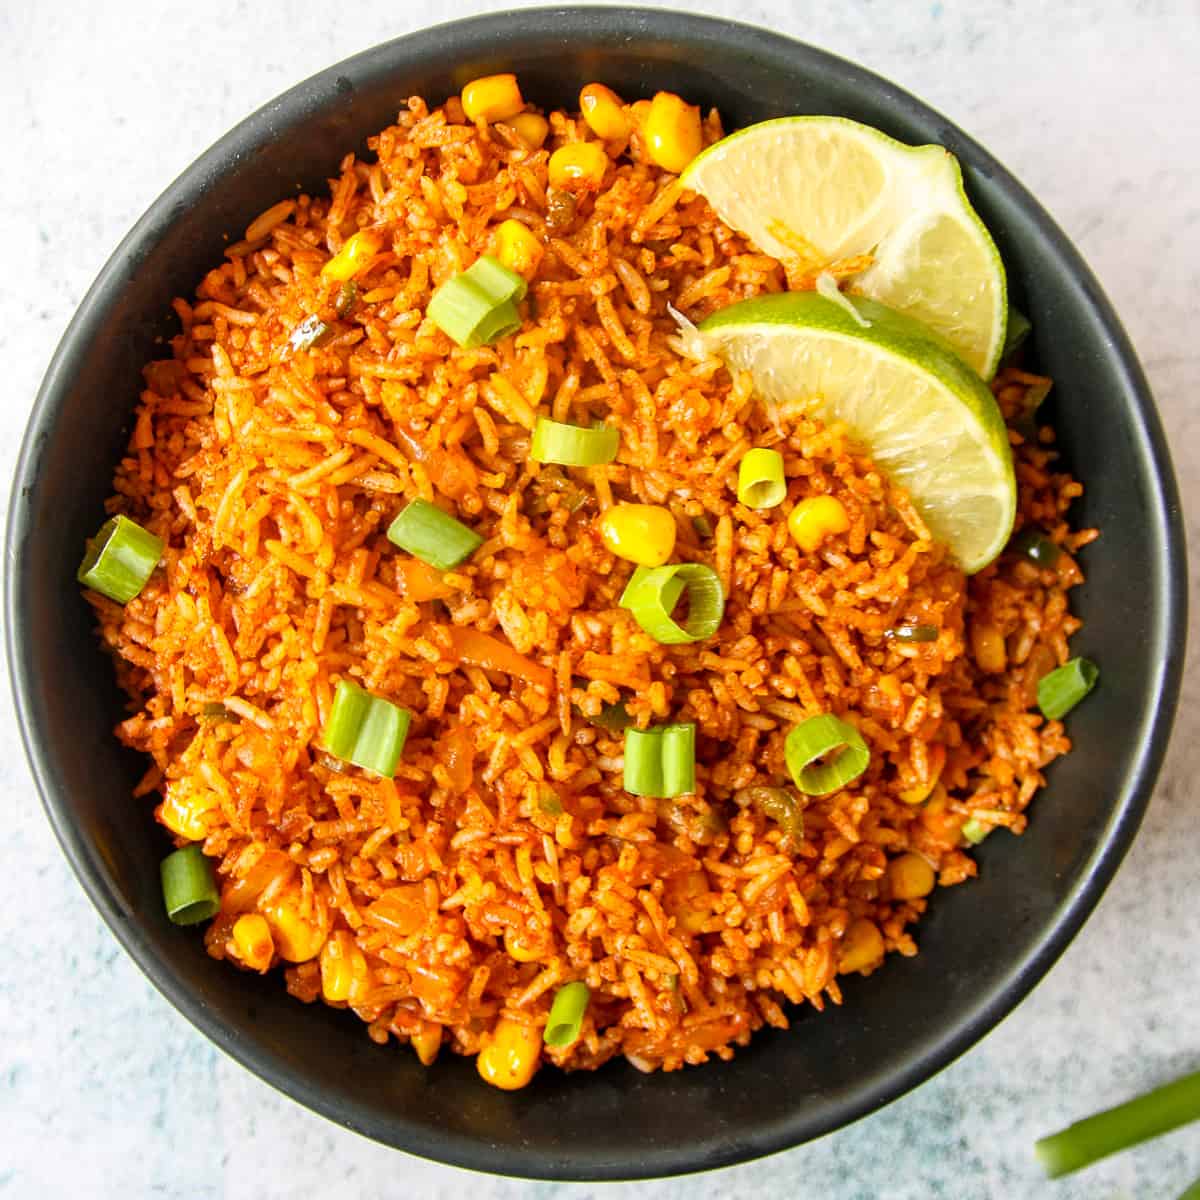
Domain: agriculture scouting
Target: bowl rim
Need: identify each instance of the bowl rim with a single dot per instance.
(1168, 632)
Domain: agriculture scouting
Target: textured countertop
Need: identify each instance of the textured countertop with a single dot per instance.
(106, 1091)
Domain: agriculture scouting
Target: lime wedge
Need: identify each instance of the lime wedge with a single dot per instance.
(925, 418)
(815, 192)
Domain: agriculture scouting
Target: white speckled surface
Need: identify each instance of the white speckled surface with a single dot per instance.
(106, 1091)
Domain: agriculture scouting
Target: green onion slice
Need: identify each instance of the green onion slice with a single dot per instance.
(433, 536)
(1095, 1137)
(572, 445)
(975, 830)
(703, 527)
(478, 306)
(366, 730)
(815, 739)
(776, 803)
(566, 1014)
(347, 297)
(548, 801)
(189, 886)
(761, 483)
(912, 633)
(214, 713)
(120, 559)
(652, 592)
(1193, 1193)
(613, 717)
(312, 331)
(1017, 333)
(1063, 688)
(661, 761)
(1034, 545)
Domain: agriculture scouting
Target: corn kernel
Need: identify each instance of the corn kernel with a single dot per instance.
(518, 249)
(427, 1041)
(604, 112)
(672, 132)
(921, 792)
(511, 1055)
(911, 877)
(531, 128)
(815, 519)
(344, 974)
(357, 250)
(521, 948)
(187, 815)
(639, 533)
(252, 941)
(577, 166)
(987, 647)
(492, 98)
(862, 947)
(296, 938)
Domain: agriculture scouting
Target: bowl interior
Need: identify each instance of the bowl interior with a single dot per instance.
(982, 945)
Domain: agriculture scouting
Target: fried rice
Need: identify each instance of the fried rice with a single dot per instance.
(505, 858)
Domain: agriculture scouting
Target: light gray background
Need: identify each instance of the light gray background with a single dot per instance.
(106, 1091)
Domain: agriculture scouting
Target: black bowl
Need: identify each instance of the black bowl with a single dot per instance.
(983, 946)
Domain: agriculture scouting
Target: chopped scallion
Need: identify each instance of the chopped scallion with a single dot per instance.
(346, 298)
(478, 306)
(189, 886)
(912, 633)
(1018, 331)
(433, 536)
(309, 333)
(1148, 1116)
(613, 717)
(1065, 686)
(120, 559)
(661, 761)
(566, 1014)
(548, 801)
(652, 593)
(366, 730)
(572, 445)
(975, 830)
(1034, 545)
(825, 753)
(761, 482)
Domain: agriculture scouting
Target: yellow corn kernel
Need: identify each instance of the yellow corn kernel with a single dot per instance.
(427, 1041)
(639, 533)
(987, 647)
(911, 877)
(187, 814)
(522, 948)
(296, 938)
(815, 519)
(518, 249)
(344, 974)
(862, 947)
(577, 166)
(532, 128)
(604, 112)
(672, 132)
(492, 98)
(252, 941)
(921, 792)
(511, 1055)
(357, 250)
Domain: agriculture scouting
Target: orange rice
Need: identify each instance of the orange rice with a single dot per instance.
(505, 858)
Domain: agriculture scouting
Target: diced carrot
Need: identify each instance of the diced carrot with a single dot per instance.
(419, 581)
(490, 653)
